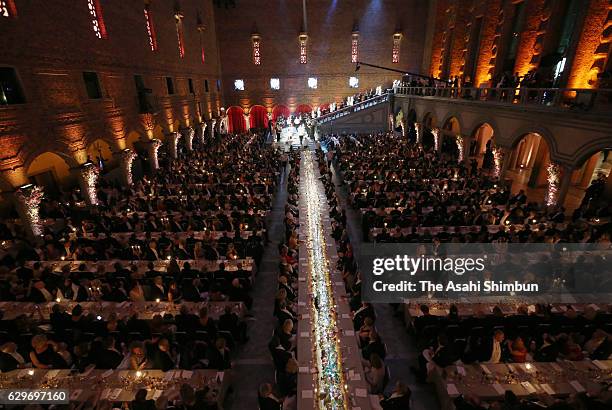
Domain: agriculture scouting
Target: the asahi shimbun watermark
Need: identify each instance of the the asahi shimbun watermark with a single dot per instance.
(534, 272)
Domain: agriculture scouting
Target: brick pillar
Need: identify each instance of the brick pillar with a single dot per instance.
(27, 204)
(152, 152)
(419, 132)
(173, 139)
(87, 176)
(436, 134)
(126, 159)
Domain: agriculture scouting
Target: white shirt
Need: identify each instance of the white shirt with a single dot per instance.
(496, 354)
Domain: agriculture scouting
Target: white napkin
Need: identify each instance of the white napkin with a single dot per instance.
(461, 370)
(548, 389)
(303, 369)
(220, 376)
(307, 394)
(345, 316)
(187, 374)
(304, 334)
(529, 387)
(306, 316)
(452, 390)
(577, 386)
(499, 389)
(349, 333)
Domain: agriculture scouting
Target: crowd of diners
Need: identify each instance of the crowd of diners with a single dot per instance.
(405, 193)
(410, 193)
(431, 195)
(283, 345)
(194, 231)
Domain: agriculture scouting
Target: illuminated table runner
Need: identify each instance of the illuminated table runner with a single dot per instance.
(330, 373)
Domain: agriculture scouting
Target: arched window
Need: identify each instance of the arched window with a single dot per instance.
(97, 19)
(150, 27)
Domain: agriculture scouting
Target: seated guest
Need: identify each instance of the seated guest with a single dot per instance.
(137, 292)
(206, 323)
(136, 358)
(140, 401)
(266, 399)
(39, 293)
(286, 336)
(219, 356)
(109, 357)
(375, 374)
(10, 359)
(375, 345)
(162, 358)
(517, 349)
(494, 351)
(399, 399)
(287, 379)
(230, 322)
(548, 351)
(158, 291)
(44, 354)
(237, 293)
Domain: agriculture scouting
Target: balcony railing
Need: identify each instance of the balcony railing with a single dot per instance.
(353, 108)
(576, 99)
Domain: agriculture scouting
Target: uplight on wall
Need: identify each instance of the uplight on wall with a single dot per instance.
(312, 83)
(239, 85)
(275, 83)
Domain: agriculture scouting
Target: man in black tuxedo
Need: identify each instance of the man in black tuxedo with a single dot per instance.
(109, 357)
(158, 290)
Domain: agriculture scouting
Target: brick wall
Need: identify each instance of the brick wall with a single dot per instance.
(50, 44)
(329, 47)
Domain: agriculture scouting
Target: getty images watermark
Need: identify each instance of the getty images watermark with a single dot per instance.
(537, 273)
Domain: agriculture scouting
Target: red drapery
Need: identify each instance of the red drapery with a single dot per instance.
(258, 117)
(303, 108)
(280, 110)
(236, 120)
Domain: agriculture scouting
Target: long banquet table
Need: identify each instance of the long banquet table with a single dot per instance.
(120, 385)
(489, 382)
(350, 353)
(144, 310)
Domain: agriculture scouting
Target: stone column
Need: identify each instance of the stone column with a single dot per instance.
(152, 153)
(188, 135)
(553, 179)
(173, 139)
(126, 158)
(419, 132)
(27, 204)
(436, 134)
(87, 176)
(459, 140)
